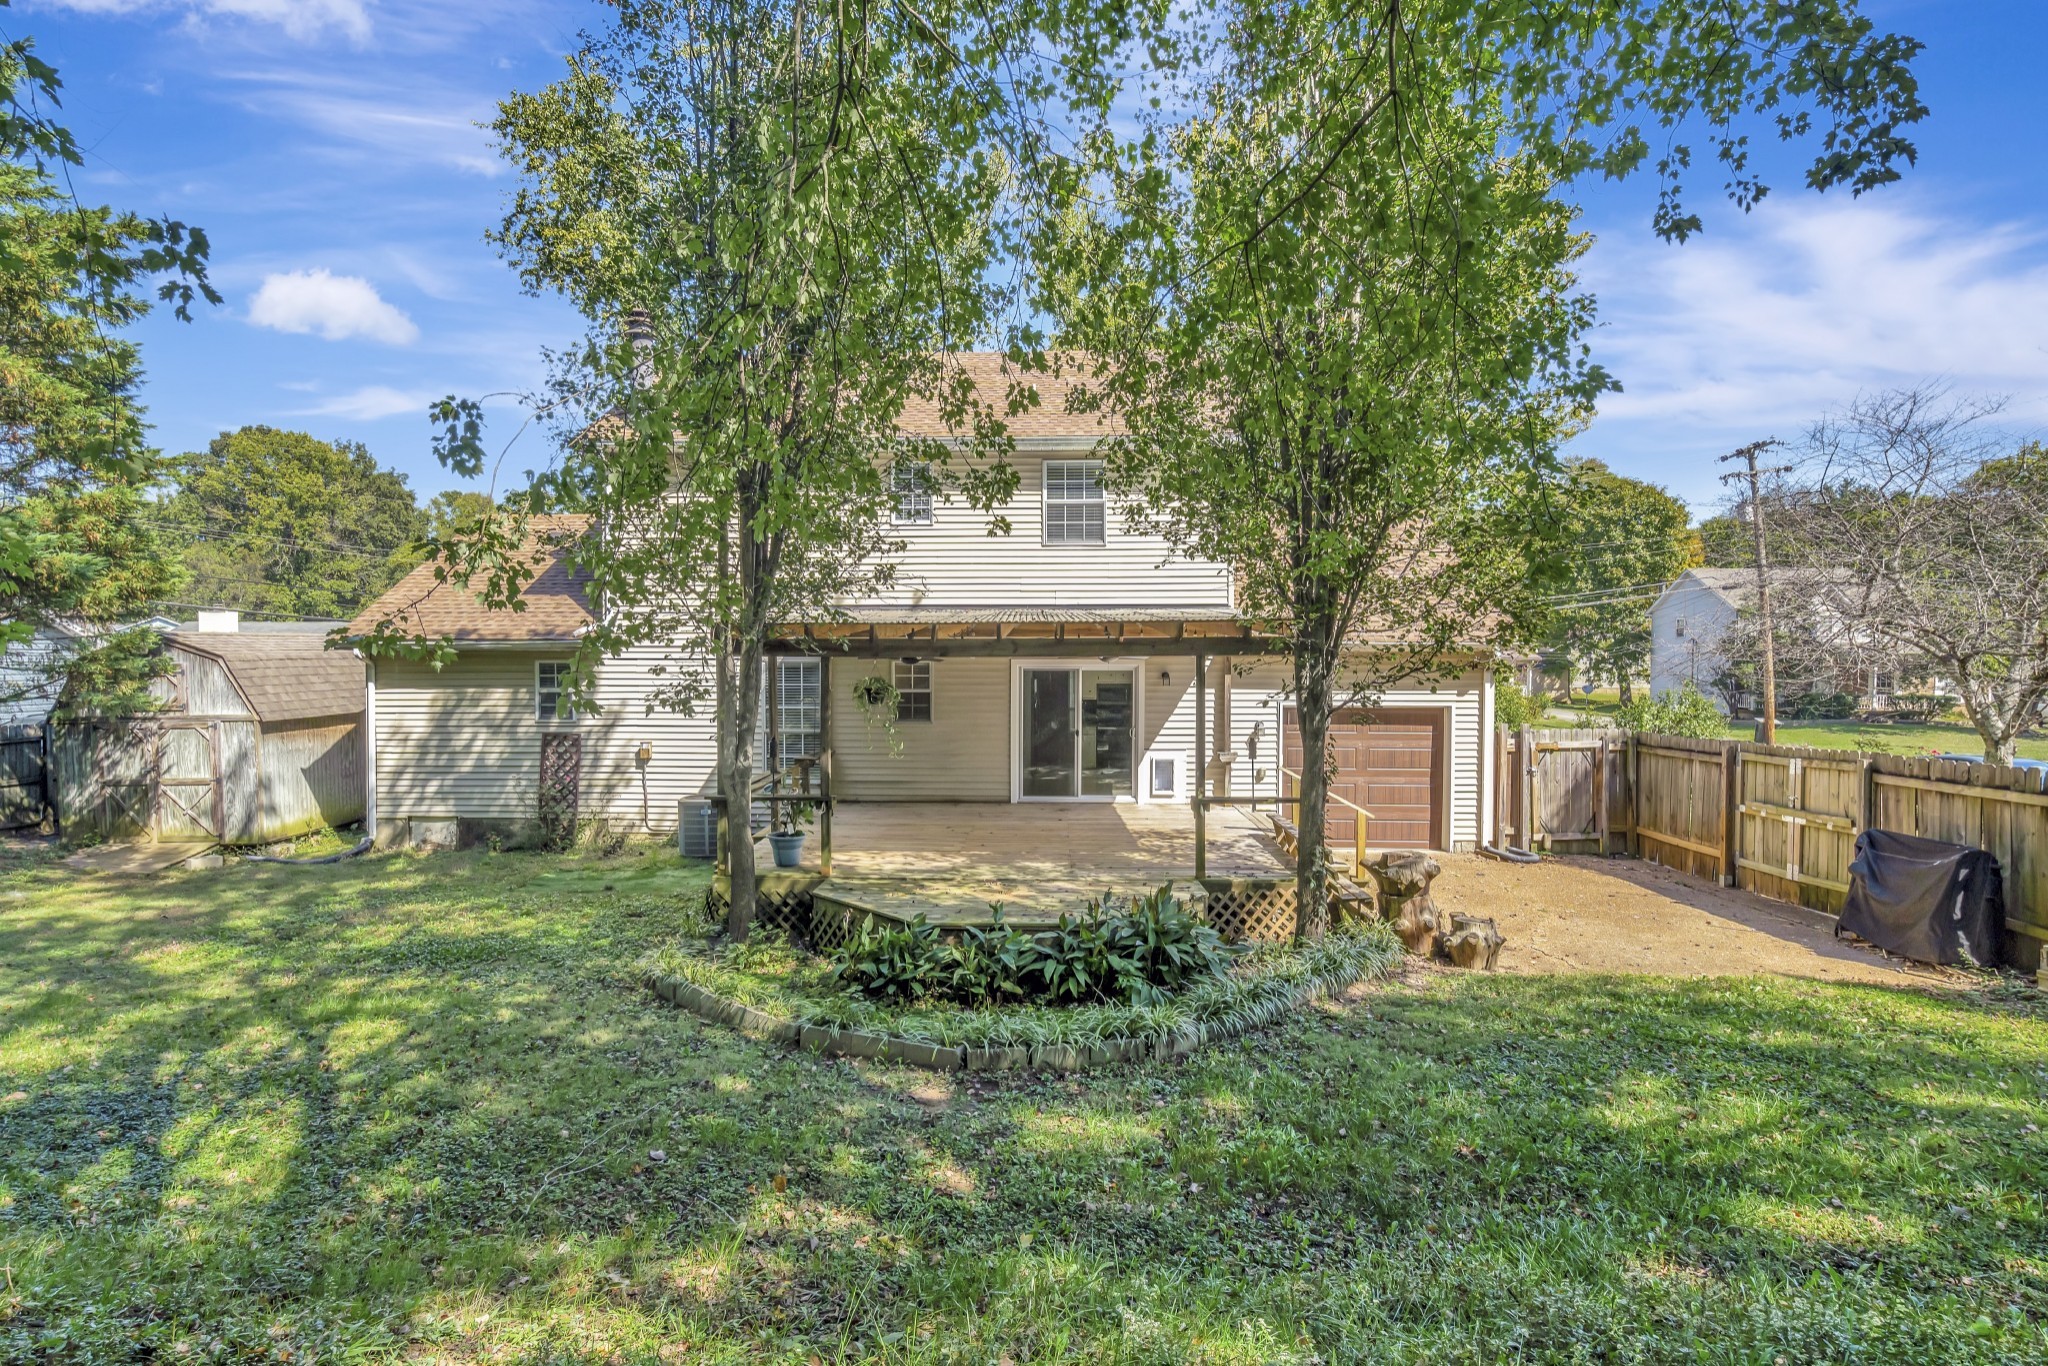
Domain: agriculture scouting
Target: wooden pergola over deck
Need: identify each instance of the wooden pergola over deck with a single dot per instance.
(1053, 632)
(1022, 632)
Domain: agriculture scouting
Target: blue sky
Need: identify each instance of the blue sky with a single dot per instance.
(330, 149)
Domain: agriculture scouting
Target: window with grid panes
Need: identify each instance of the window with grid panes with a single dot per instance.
(911, 480)
(800, 708)
(551, 690)
(1074, 507)
(913, 690)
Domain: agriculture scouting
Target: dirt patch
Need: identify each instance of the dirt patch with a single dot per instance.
(1580, 914)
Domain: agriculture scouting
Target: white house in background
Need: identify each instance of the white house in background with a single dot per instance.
(31, 674)
(1693, 614)
(1056, 664)
(1687, 623)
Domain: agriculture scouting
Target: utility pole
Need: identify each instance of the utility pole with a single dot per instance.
(1754, 476)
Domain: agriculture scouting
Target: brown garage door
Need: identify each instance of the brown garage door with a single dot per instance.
(1390, 763)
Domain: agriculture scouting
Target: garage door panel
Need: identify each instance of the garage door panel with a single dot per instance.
(1391, 764)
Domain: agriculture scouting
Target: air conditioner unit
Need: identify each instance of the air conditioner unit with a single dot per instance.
(696, 829)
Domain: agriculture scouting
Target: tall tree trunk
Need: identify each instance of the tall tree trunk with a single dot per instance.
(741, 679)
(1311, 852)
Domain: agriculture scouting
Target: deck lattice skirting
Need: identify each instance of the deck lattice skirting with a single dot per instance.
(1242, 910)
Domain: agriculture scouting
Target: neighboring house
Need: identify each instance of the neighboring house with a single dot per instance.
(1692, 616)
(1057, 664)
(260, 738)
(32, 673)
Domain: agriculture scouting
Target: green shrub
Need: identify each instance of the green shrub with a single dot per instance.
(1819, 706)
(1139, 951)
(1512, 707)
(901, 963)
(1685, 712)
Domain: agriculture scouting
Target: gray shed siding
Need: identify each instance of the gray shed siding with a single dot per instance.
(205, 769)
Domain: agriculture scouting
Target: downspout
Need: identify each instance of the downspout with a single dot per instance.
(369, 746)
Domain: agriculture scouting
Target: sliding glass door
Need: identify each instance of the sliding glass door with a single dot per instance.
(1078, 733)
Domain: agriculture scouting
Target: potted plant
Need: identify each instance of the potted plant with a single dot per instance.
(787, 838)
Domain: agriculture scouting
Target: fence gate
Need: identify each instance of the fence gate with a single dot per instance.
(561, 782)
(24, 778)
(1563, 791)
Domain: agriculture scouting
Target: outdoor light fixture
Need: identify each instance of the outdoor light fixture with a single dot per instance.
(645, 754)
(1165, 678)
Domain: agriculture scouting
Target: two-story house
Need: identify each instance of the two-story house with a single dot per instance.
(1061, 663)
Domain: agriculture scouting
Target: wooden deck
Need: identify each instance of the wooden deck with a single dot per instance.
(1030, 855)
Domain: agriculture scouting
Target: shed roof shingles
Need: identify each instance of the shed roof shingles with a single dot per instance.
(285, 677)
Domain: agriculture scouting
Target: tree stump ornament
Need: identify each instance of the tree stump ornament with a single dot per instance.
(1473, 943)
(1405, 902)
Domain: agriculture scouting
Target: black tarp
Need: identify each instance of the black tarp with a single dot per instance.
(1924, 899)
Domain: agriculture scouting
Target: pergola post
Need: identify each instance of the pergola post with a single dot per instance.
(1201, 774)
(825, 765)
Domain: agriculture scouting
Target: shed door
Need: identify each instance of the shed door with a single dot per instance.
(1392, 764)
(188, 782)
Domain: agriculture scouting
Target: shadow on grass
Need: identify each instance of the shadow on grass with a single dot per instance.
(422, 1104)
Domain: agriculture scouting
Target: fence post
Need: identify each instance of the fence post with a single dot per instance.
(1525, 789)
(1731, 822)
(1635, 799)
(1500, 787)
(1600, 788)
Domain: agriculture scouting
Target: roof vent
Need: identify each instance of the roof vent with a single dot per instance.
(219, 621)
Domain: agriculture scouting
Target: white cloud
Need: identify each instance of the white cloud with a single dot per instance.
(1798, 310)
(302, 19)
(371, 402)
(399, 125)
(335, 306)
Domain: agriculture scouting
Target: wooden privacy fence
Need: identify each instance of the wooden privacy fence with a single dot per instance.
(1777, 820)
(24, 777)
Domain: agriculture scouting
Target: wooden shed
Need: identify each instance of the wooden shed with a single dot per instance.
(260, 738)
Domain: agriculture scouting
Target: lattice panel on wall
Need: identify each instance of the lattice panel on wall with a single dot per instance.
(1243, 913)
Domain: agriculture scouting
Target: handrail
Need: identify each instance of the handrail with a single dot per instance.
(1357, 825)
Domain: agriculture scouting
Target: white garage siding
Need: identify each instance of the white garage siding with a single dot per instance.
(464, 743)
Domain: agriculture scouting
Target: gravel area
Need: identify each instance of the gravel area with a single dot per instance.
(1583, 914)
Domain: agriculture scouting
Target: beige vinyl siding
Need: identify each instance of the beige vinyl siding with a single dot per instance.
(962, 754)
(1258, 694)
(464, 742)
(955, 562)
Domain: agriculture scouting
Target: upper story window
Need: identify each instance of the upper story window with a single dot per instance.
(1074, 508)
(551, 701)
(911, 481)
(913, 690)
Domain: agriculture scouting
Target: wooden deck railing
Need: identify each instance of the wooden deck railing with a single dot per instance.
(1202, 803)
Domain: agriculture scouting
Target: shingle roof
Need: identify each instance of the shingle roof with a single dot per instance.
(994, 378)
(285, 676)
(557, 598)
(1738, 586)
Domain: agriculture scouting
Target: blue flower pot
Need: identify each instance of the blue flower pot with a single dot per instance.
(789, 849)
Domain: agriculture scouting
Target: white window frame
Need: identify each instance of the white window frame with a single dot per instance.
(903, 674)
(564, 709)
(910, 481)
(1092, 504)
(792, 704)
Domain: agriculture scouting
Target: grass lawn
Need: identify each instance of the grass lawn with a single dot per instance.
(1939, 737)
(416, 1108)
